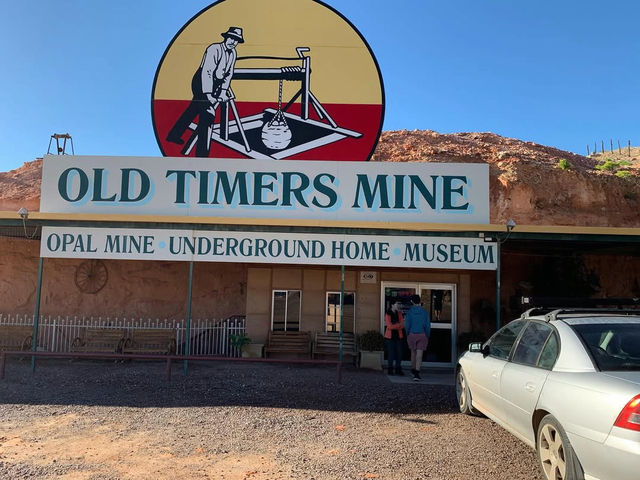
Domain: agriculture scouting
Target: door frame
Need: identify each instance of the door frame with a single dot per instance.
(419, 286)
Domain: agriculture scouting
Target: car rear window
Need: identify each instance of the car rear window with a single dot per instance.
(613, 346)
(532, 343)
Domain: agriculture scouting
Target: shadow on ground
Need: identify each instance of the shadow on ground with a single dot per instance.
(145, 384)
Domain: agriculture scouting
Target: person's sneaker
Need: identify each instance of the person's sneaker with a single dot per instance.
(417, 375)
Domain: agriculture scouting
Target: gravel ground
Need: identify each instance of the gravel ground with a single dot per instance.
(224, 420)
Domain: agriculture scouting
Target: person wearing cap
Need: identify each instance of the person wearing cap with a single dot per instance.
(210, 87)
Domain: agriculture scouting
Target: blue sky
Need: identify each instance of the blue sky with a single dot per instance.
(560, 73)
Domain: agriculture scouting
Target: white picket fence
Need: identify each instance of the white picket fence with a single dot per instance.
(208, 336)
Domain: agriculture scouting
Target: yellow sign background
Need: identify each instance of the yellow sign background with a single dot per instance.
(343, 68)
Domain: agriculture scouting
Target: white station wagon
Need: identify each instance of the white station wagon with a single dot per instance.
(567, 383)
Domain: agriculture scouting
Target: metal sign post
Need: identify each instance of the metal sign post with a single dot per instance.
(36, 317)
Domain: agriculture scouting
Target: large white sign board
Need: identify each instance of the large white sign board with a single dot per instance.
(264, 247)
(311, 190)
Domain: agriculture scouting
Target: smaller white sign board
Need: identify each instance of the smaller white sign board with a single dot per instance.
(264, 247)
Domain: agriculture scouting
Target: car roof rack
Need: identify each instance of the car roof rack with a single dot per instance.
(537, 311)
(593, 311)
(553, 303)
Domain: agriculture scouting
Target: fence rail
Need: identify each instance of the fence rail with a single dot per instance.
(208, 337)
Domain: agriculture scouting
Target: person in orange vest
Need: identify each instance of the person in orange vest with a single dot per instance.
(393, 334)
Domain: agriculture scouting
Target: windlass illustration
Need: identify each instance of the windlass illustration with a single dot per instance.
(270, 134)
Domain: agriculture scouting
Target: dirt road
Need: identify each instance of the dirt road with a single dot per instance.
(108, 421)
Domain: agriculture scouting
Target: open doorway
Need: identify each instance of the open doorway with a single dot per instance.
(439, 299)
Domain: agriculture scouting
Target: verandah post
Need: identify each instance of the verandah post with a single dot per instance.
(187, 349)
(498, 285)
(2, 363)
(341, 311)
(36, 317)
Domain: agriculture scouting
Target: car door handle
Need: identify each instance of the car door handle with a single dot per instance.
(530, 387)
(494, 374)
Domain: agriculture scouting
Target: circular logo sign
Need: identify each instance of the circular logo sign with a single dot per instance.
(283, 79)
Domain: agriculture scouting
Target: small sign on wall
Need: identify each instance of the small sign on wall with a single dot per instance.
(368, 277)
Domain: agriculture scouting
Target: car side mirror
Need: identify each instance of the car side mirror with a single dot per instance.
(479, 348)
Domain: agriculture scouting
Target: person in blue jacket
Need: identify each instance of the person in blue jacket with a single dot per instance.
(418, 327)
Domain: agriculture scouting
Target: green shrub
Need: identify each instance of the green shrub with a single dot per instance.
(623, 173)
(371, 340)
(607, 165)
(564, 164)
(239, 341)
(612, 165)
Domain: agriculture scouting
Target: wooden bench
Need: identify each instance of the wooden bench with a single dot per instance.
(328, 343)
(288, 343)
(102, 340)
(151, 340)
(15, 337)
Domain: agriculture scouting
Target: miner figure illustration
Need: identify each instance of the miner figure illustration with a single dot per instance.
(210, 87)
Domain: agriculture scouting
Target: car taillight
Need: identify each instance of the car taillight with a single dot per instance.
(630, 415)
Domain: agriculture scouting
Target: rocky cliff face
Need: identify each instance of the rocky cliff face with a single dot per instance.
(21, 187)
(530, 183)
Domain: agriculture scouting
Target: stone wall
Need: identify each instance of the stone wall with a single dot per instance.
(133, 289)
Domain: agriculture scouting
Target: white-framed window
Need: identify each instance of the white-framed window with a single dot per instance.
(286, 307)
(332, 318)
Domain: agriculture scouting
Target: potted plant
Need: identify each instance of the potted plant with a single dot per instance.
(247, 349)
(371, 346)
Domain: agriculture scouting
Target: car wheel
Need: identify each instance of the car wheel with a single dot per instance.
(557, 459)
(464, 394)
